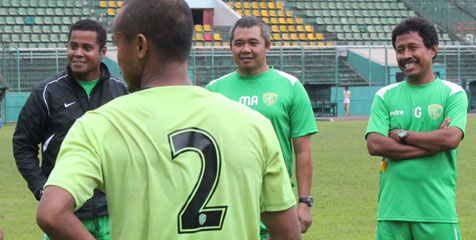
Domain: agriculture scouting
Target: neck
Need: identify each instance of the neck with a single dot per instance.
(244, 72)
(420, 80)
(165, 74)
(87, 77)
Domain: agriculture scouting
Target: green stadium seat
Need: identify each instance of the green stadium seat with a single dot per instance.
(45, 38)
(48, 20)
(60, 4)
(6, 3)
(357, 13)
(387, 28)
(31, 11)
(68, 11)
(78, 4)
(22, 11)
(371, 28)
(341, 36)
(355, 28)
(25, 37)
(16, 38)
(59, 11)
(42, 3)
(3, 11)
(51, 3)
(46, 29)
(55, 29)
(13, 11)
(36, 29)
(57, 20)
(29, 20)
(75, 19)
(330, 28)
(64, 37)
(77, 12)
(33, 3)
(40, 11)
(6, 37)
(54, 37)
(19, 20)
(17, 29)
(320, 20)
(15, 3)
(39, 20)
(35, 38)
(69, 3)
(27, 29)
(379, 28)
(65, 29)
(360, 21)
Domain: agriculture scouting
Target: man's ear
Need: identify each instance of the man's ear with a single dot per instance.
(141, 45)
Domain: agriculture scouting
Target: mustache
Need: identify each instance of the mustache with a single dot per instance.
(407, 61)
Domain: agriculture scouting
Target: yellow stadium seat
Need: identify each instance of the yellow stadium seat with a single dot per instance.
(304, 44)
(208, 44)
(299, 21)
(330, 44)
(112, 4)
(264, 13)
(302, 36)
(103, 4)
(239, 12)
(263, 5)
(199, 37)
(247, 12)
(300, 28)
(279, 5)
(282, 21)
(256, 13)
(319, 36)
(238, 5)
(198, 44)
(120, 3)
(290, 20)
(271, 5)
(275, 28)
(277, 37)
(289, 13)
(294, 37)
(226, 44)
(285, 36)
(281, 14)
(207, 28)
(272, 13)
(266, 20)
(283, 28)
(274, 21)
(198, 28)
(286, 44)
(312, 44)
(292, 28)
(296, 44)
(254, 5)
(321, 44)
(246, 5)
(308, 28)
(111, 12)
(217, 37)
(310, 36)
(217, 44)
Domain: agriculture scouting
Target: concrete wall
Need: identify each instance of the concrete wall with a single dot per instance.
(360, 101)
(224, 15)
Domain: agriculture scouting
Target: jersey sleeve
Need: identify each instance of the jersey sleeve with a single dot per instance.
(78, 166)
(301, 115)
(276, 194)
(379, 121)
(210, 87)
(457, 110)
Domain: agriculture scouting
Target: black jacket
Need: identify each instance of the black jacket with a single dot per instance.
(50, 111)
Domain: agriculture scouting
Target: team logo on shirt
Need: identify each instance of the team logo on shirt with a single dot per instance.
(435, 111)
(270, 98)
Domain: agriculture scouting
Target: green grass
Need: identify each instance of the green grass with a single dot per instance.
(345, 186)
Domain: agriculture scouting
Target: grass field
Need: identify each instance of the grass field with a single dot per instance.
(345, 186)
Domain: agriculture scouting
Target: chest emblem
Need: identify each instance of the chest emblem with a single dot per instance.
(435, 111)
(270, 98)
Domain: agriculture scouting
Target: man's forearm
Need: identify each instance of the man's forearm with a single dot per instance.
(435, 141)
(304, 169)
(379, 145)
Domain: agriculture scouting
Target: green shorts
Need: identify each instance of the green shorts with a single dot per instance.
(98, 227)
(263, 232)
(401, 230)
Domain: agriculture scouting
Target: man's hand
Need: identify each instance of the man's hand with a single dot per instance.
(393, 134)
(305, 216)
(445, 123)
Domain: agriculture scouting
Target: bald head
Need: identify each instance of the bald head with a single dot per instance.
(167, 24)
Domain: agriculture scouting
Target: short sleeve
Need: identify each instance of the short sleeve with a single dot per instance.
(277, 194)
(78, 167)
(457, 110)
(379, 121)
(301, 115)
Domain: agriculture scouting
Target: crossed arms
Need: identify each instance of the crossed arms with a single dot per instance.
(417, 144)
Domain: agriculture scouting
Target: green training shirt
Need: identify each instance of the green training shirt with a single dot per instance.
(422, 189)
(88, 86)
(176, 163)
(280, 97)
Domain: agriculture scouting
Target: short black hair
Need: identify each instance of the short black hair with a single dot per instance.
(251, 21)
(417, 24)
(90, 25)
(168, 24)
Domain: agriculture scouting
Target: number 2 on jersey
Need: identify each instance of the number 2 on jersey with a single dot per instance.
(195, 215)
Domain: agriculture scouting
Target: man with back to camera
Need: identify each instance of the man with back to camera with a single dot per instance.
(54, 105)
(416, 126)
(170, 165)
(279, 96)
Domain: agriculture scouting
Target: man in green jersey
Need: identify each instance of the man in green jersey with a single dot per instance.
(54, 105)
(170, 165)
(416, 126)
(279, 96)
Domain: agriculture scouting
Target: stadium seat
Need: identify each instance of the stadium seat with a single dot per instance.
(310, 36)
(282, 20)
(300, 28)
(208, 37)
(292, 28)
(275, 28)
(272, 13)
(120, 3)
(207, 28)
(319, 36)
(266, 20)
(308, 28)
(290, 20)
(103, 4)
(36, 29)
(283, 28)
(198, 28)
(274, 21)
(277, 37)
(254, 5)
(217, 37)
(246, 5)
(199, 37)
(264, 13)
(285, 36)
(111, 12)
(263, 5)
(256, 13)
(279, 5)
(303, 37)
(281, 13)
(112, 4)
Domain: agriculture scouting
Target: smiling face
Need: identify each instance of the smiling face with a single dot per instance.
(84, 55)
(414, 59)
(249, 50)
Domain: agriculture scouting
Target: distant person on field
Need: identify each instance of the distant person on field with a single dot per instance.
(54, 105)
(166, 156)
(347, 96)
(416, 126)
(277, 95)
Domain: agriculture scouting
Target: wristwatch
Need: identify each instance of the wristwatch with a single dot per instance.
(307, 200)
(402, 135)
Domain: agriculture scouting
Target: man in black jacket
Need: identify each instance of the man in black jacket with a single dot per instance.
(55, 104)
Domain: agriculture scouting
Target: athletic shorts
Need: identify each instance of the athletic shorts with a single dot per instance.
(401, 230)
(263, 232)
(98, 227)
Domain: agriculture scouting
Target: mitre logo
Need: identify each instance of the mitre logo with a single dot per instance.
(270, 98)
(435, 111)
